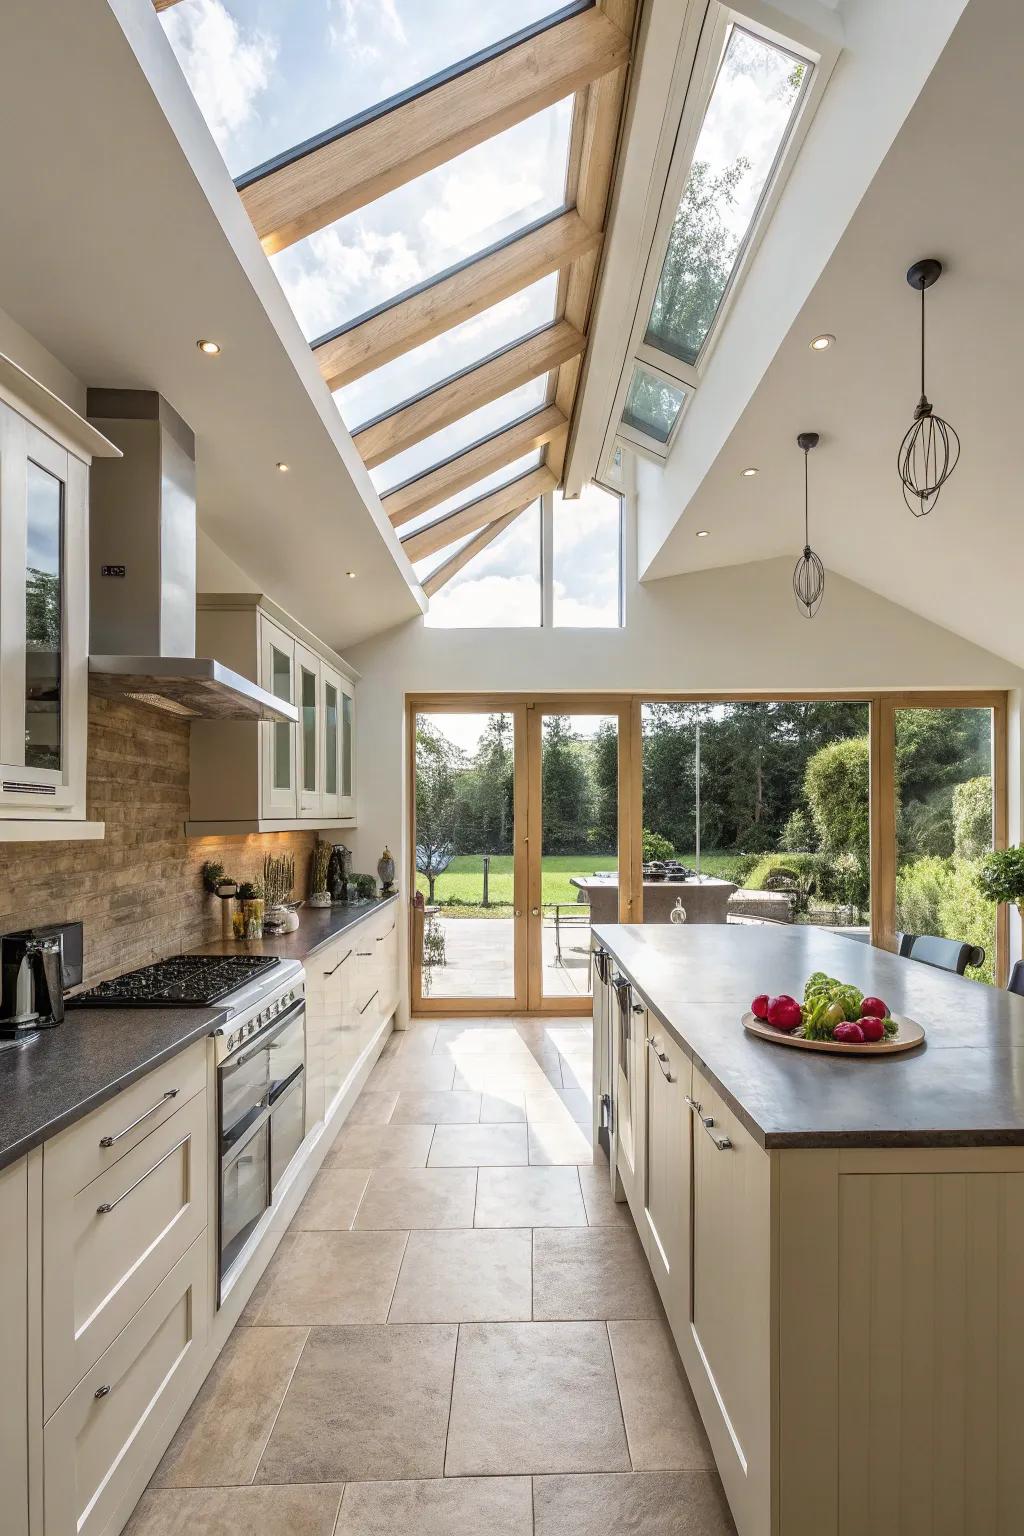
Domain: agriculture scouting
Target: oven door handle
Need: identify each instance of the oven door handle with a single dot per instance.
(259, 1042)
(234, 1149)
(277, 1093)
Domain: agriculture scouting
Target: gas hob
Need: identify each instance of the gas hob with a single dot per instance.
(183, 981)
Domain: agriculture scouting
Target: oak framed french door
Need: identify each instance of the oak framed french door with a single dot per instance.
(516, 837)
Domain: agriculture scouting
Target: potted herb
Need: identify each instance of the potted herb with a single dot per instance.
(1001, 876)
(319, 895)
(218, 884)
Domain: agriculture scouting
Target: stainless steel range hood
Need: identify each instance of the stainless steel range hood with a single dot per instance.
(142, 538)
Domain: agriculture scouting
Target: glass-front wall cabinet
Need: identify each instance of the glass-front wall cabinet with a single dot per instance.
(43, 623)
(308, 768)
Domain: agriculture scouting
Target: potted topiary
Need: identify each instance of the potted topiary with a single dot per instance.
(1001, 876)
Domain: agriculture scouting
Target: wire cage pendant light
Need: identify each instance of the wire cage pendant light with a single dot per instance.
(809, 572)
(931, 447)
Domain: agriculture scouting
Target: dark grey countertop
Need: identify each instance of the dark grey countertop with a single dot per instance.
(63, 1073)
(57, 1078)
(963, 1087)
(317, 927)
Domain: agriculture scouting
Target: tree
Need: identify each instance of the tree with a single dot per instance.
(604, 763)
(487, 791)
(438, 763)
(699, 258)
(565, 789)
(836, 785)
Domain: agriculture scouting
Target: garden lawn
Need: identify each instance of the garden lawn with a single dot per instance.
(462, 883)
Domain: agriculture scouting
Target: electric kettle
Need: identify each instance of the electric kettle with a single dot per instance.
(31, 982)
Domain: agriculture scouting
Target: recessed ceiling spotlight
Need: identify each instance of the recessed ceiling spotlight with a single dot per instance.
(821, 343)
(748, 472)
(211, 348)
(283, 468)
(703, 533)
(350, 573)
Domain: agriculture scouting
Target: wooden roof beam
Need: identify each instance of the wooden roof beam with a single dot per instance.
(465, 469)
(515, 497)
(450, 401)
(455, 296)
(318, 186)
(444, 573)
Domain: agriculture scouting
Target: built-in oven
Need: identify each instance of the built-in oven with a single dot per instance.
(261, 1117)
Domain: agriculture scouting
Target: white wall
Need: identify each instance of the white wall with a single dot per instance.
(23, 349)
(730, 629)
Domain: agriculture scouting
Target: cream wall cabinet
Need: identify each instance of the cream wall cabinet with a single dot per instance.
(45, 454)
(272, 777)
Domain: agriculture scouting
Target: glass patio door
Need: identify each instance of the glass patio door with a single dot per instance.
(576, 873)
(469, 940)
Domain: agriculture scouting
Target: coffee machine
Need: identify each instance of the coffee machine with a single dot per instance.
(36, 967)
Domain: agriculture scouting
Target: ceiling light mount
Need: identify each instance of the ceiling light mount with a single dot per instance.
(749, 472)
(931, 447)
(207, 347)
(809, 572)
(821, 343)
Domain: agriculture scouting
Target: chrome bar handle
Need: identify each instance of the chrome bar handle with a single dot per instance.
(340, 963)
(721, 1141)
(662, 1059)
(369, 1000)
(109, 1141)
(108, 1206)
(103, 1391)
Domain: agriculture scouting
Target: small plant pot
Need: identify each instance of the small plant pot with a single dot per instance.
(320, 899)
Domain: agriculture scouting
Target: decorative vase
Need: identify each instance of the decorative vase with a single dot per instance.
(252, 918)
(320, 899)
(386, 872)
(275, 919)
(338, 870)
(678, 913)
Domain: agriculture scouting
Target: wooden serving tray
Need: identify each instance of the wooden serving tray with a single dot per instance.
(908, 1036)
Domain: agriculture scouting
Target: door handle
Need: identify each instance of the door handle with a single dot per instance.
(720, 1140)
(535, 911)
(662, 1059)
(341, 962)
(108, 1141)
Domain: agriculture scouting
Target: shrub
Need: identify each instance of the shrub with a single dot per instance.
(836, 786)
(972, 818)
(944, 896)
(656, 847)
(844, 878)
(796, 872)
(1000, 876)
(798, 834)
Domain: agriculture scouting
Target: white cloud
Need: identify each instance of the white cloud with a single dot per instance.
(487, 602)
(326, 278)
(359, 21)
(226, 68)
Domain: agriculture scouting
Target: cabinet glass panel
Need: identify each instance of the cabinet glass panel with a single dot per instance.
(308, 684)
(43, 619)
(281, 686)
(331, 739)
(346, 744)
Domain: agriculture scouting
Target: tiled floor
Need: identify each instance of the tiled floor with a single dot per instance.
(459, 1333)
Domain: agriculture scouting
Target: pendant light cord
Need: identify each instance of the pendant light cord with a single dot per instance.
(922, 342)
(807, 530)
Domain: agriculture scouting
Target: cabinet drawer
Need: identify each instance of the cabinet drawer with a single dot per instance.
(97, 1441)
(75, 1157)
(667, 1166)
(108, 1246)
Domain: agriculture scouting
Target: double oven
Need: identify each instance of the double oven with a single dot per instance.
(261, 1100)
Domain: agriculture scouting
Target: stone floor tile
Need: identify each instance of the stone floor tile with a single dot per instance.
(309, 1511)
(365, 1403)
(505, 1108)
(333, 1277)
(332, 1200)
(381, 1146)
(223, 1435)
(602, 1209)
(439, 1106)
(400, 1199)
(592, 1273)
(414, 1072)
(642, 1503)
(465, 1277)
(663, 1426)
(476, 1146)
(529, 1197)
(534, 1397)
(560, 1142)
(449, 1506)
(372, 1108)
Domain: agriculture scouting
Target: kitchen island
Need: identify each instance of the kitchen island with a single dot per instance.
(839, 1243)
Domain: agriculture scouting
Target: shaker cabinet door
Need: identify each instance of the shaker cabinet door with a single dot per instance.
(667, 1207)
(279, 741)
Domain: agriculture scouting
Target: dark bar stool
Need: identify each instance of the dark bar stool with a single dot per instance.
(1016, 981)
(943, 954)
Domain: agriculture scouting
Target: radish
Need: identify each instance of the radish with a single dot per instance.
(759, 1007)
(872, 1029)
(873, 1008)
(784, 1012)
(848, 1034)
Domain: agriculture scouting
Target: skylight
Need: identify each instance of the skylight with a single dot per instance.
(751, 106)
(271, 74)
(432, 223)
(500, 588)
(586, 555)
(460, 435)
(653, 404)
(491, 482)
(465, 345)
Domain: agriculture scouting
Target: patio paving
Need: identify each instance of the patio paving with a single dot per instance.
(478, 960)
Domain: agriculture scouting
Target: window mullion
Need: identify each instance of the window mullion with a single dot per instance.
(547, 550)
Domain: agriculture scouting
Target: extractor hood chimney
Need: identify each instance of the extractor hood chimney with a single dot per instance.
(142, 554)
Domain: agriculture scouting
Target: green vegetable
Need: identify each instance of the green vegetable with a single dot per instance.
(891, 1026)
(817, 1025)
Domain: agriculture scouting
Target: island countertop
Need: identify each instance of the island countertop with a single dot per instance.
(963, 1087)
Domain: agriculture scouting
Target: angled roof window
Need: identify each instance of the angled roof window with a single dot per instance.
(653, 404)
(752, 104)
(412, 235)
(500, 588)
(464, 346)
(492, 482)
(462, 434)
(269, 75)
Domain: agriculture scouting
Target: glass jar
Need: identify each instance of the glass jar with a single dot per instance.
(252, 913)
